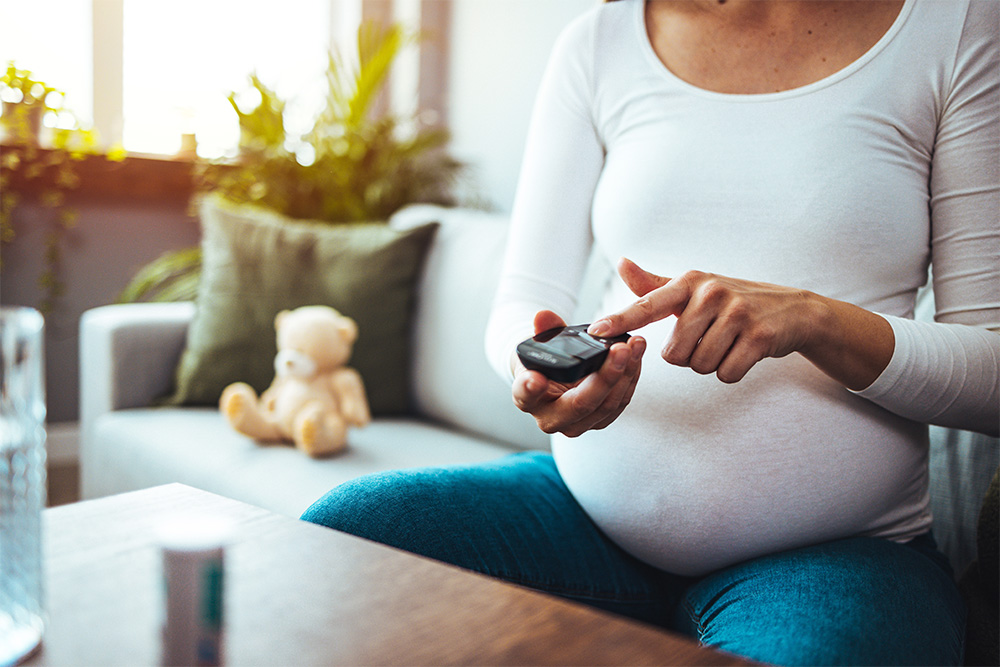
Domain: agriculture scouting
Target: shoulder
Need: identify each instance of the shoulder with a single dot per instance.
(984, 16)
(981, 30)
(583, 44)
(940, 21)
(944, 48)
(601, 44)
(607, 23)
(973, 61)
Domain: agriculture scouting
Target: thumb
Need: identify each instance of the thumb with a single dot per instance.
(546, 319)
(640, 281)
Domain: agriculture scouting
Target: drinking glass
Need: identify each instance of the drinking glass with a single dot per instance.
(22, 482)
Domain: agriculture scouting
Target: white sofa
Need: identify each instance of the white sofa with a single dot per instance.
(464, 413)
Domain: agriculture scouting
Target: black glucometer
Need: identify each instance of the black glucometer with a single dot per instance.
(566, 354)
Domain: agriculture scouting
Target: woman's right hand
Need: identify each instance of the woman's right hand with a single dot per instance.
(590, 403)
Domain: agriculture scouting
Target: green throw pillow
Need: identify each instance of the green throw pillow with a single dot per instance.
(257, 263)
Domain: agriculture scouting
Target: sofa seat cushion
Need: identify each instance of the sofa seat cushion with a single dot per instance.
(132, 449)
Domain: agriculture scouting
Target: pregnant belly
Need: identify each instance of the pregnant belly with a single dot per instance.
(697, 475)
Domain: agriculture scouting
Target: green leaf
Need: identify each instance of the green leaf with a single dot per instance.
(378, 47)
(173, 276)
(262, 128)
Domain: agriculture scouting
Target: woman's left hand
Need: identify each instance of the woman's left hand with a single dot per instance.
(591, 403)
(726, 325)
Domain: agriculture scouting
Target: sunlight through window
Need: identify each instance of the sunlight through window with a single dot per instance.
(182, 59)
(53, 40)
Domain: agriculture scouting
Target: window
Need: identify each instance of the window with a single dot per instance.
(52, 38)
(181, 60)
(164, 70)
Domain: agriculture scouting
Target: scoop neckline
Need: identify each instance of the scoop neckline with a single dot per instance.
(639, 14)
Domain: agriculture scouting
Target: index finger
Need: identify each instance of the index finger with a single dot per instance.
(669, 299)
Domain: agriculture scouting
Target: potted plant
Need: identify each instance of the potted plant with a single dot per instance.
(49, 172)
(25, 101)
(352, 165)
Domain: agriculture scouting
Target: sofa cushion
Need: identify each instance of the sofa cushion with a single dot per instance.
(256, 263)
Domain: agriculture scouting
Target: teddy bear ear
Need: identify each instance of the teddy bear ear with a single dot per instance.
(350, 329)
(279, 317)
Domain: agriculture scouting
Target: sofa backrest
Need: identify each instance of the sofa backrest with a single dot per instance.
(452, 380)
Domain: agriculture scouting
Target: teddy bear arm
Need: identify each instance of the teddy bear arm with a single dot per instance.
(273, 400)
(349, 389)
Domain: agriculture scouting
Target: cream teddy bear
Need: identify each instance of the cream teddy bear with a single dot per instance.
(314, 397)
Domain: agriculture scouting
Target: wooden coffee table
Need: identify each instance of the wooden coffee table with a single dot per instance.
(300, 594)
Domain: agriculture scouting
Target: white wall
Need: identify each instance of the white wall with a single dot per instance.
(499, 49)
(110, 242)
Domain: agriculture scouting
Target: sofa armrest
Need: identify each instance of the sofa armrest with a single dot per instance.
(128, 355)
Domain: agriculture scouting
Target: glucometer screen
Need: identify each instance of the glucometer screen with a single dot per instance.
(566, 354)
(576, 343)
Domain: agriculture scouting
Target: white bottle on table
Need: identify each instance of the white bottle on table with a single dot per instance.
(193, 553)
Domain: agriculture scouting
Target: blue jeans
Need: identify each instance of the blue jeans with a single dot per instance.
(854, 601)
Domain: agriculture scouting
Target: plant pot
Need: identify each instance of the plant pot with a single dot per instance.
(21, 123)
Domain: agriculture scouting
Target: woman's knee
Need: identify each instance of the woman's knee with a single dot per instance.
(387, 507)
(492, 517)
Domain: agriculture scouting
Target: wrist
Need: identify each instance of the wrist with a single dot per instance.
(821, 324)
(847, 342)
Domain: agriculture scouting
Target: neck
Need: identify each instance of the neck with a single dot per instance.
(743, 9)
(755, 46)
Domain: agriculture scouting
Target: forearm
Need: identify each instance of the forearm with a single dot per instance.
(509, 323)
(850, 344)
(943, 374)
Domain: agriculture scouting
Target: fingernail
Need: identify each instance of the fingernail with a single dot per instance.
(599, 328)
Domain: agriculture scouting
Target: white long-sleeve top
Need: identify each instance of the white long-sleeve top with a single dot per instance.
(849, 187)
